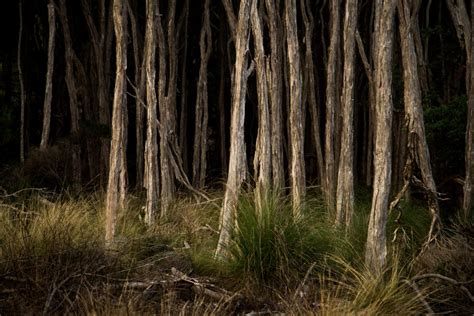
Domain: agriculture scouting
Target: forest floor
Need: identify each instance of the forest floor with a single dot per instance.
(53, 260)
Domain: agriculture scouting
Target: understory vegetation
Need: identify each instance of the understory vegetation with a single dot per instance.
(53, 260)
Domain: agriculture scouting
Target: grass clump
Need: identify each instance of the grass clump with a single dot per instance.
(272, 247)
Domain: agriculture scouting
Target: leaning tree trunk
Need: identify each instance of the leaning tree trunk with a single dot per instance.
(22, 87)
(151, 176)
(114, 187)
(73, 94)
(275, 85)
(417, 146)
(237, 160)
(376, 248)
(202, 115)
(297, 173)
(464, 30)
(262, 158)
(345, 178)
(332, 100)
(48, 95)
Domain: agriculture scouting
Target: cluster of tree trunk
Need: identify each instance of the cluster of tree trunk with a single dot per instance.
(202, 105)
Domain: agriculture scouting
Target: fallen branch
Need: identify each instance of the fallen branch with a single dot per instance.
(447, 279)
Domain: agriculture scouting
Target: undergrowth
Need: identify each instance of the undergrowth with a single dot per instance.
(53, 260)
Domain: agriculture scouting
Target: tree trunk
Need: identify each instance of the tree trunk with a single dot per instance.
(73, 98)
(332, 100)
(115, 184)
(151, 175)
(200, 131)
(275, 90)
(48, 95)
(237, 160)
(312, 100)
(262, 158)
(469, 182)
(222, 101)
(22, 87)
(376, 248)
(297, 174)
(345, 178)
(417, 146)
(167, 104)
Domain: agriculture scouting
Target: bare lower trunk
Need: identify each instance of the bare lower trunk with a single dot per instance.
(262, 158)
(275, 91)
(297, 174)
(48, 95)
(200, 131)
(237, 161)
(332, 100)
(22, 87)
(73, 98)
(117, 160)
(151, 175)
(345, 178)
(376, 248)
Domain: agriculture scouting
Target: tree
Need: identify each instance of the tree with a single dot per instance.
(237, 159)
(376, 248)
(116, 186)
(151, 177)
(345, 178)
(48, 95)
(22, 86)
(297, 173)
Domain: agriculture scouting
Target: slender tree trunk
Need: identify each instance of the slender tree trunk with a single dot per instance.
(22, 87)
(73, 94)
(297, 174)
(275, 90)
(237, 161)
(332, 100)
(167, 104)
(114, 187)
(312, 100)
(200, 127)
(152, 179)
(417, 145)
(345, 178)
(262, 158)
(222, 87)
(376, 248)
(48, 95)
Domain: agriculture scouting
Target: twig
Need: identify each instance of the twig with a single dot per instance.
(420, 296)
(447, 279)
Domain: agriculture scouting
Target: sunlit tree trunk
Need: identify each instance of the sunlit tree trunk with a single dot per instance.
(151, 176)
(115, 185)
(237, 160)
(297, 173)
(262, 158)
(345, 178)
(376, 248)
(332, 104)
(48, 95)
(275, 90)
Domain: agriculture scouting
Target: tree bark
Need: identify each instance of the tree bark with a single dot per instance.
(417, 145)
(376, 248)
(151, 176)
(48, 95)
(312, 99)
(262, 157)
(345, 178)
(22, 87)
(332, 100)
(297, 174)
(275, 90)
(73, 95)
(202, 115)
(469, 182)
(237, 160)
(115, 185)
